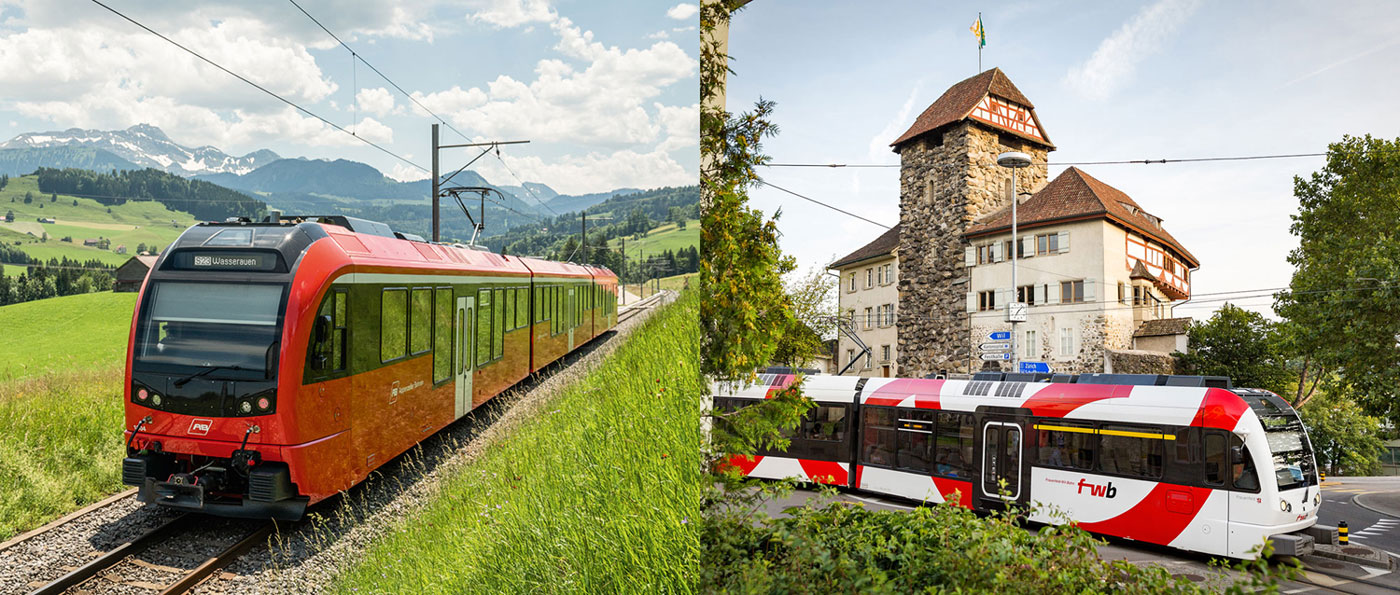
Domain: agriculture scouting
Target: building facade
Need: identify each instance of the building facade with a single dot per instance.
(868, 300)
(1097, 267)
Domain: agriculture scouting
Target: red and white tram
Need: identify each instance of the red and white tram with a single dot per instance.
(1159, 459)
(272, 365)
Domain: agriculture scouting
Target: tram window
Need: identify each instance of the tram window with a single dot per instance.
(1064, 445)
(498, 344)
(1185, 462)
(510, 309)
(915, 440)
(1132, 451)
(537, 298)
(522, 307)
(825, 422)
(1242, 466)
(483, 327)
(393, 324)
(1215, 458)
(420, 329)
(442, 334)
(952, 452)
(878, 442)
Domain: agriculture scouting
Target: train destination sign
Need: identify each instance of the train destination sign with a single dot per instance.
(225, 261)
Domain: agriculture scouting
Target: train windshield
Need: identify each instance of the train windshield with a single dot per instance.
(228, 329)
(1293, 461)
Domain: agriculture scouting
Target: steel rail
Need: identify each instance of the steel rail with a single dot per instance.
(111, 558)
(212, 565)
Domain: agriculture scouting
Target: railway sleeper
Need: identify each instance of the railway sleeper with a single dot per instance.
(225, 487)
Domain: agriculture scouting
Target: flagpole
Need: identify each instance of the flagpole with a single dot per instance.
(979, 44)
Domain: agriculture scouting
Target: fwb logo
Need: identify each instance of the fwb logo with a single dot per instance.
(1102, 491)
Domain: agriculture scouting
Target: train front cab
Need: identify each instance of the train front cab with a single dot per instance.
(1192, 468)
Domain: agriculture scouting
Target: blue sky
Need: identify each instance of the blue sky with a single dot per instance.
(1110, 81)
(606, 91)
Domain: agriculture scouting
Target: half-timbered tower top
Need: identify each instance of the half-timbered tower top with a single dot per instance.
(989, 98)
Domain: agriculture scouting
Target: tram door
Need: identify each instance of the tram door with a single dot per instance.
(1002, 449)
(571, 316)
(462, 364)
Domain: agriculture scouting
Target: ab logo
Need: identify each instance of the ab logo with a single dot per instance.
(1102, 491)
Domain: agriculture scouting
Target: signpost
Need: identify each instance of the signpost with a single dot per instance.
(999, 336)
(995, 347)
(1035, 368)
(997, 357)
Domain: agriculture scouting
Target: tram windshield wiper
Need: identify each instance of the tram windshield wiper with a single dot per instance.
(185, 380)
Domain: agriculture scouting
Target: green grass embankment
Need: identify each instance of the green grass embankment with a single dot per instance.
(74, 332)
(62, 447)
(598, 493)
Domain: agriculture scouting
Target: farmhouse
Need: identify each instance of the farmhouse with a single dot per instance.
(132, 273)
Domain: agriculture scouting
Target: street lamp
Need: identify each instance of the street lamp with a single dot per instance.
(1015, 310)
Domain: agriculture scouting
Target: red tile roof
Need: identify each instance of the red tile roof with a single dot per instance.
(1077, 195)
(881, 246)
(957, 102)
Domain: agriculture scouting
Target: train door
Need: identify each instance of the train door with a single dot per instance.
(572, 316)
(1002, 463)
(466, 316)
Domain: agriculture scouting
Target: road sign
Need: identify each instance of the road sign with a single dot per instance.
(1016, 312)
(999, 336)
(995, 347)
(1035, 368)
(994, 357)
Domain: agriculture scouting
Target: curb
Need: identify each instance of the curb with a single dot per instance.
(1387, 562)
(1355, 500)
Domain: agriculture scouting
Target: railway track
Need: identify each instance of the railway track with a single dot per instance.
(628, 312)
(126, 564)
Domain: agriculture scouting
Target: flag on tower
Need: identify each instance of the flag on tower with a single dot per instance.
(978, 31)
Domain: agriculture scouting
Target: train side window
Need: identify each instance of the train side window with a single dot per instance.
(1132, 451)
(522, 307)
(339, 328)
(393, 324)
(1242, 466)
(420, 327)
(1184, 461)
(952, 451)
(878, 442)
(498, 344)
(1215, 458)
(483, 327)
(510, 309)
(915, 440)
(442, 334)
(1064, 445)
(536, 296)
(825, 422)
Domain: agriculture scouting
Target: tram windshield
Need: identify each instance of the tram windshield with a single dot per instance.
(1293, 461)
(225, 328)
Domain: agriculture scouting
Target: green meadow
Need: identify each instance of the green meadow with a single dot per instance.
(661, 239)
(597, 493)
(67, 333)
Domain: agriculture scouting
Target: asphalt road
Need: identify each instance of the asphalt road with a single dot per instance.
(1369, 527)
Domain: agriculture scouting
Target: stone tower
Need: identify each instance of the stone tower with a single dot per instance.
(948, 178)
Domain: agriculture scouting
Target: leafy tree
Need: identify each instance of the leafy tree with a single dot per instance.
(1344, 298)
(53, 197)
(28, 197)
(140, 247)
(1238, 343)
(1345, 439)
(9, 216)
(813, 303)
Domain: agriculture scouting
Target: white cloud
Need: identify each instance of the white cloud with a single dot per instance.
(1113, 63)
(659, 35)
(378, 101)
(880, 143)
(373, 131)
(406, 173)
(682, 11)
(512, 13)
(594, 172)
(679, 124)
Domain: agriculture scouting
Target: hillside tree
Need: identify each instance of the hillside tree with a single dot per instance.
(1344, 298)
(1345, 439)
(1240, 344)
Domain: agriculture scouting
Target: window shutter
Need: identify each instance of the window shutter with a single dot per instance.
(971, 301)
(1089, 291)
(1039, 294)
(996, 252)
(1027, 249)
(970, 256)
(1052, 293)
(1064, 242)
(1004, 297)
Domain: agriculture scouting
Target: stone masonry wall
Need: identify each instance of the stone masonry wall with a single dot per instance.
(945, 185)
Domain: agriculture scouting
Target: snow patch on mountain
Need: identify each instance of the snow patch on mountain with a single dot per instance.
(148, 146)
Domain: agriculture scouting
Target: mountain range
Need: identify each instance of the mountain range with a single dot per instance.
(295, 185)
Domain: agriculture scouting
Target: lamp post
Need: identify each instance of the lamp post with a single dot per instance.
(1014, 160)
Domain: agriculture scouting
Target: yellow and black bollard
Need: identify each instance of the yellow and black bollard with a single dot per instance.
(1342, 533)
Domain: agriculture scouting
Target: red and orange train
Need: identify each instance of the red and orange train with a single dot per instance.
(272, 365)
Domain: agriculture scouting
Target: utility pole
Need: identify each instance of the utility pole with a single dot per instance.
(438, 182)
(584, 232)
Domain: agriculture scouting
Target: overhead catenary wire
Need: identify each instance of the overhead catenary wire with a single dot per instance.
(356, 56)
(260, 87)
(834, 208)
(1069, 163)
(523, 185)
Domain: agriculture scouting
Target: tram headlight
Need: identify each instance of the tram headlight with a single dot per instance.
(155, 399)
(1285, 506)
(1317, 499)
(245, 407)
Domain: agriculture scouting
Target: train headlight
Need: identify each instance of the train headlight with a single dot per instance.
(155, 399)
(1317, 499)
(1285, 506)
(245, 407)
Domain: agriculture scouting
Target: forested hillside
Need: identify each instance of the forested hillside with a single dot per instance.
(203, 200)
